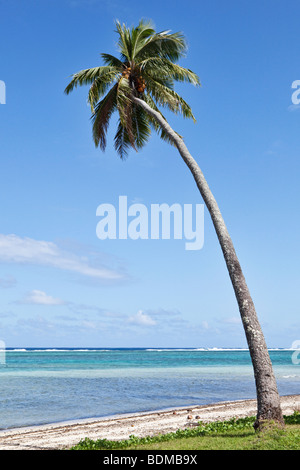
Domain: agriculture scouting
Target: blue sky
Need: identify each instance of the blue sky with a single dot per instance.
(62, 286)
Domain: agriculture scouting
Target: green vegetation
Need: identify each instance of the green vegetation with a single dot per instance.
(235, 434)
(146, 69)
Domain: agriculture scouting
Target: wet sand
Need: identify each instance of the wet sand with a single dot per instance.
(67, 434)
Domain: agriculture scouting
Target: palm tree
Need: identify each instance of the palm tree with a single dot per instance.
(134, 85)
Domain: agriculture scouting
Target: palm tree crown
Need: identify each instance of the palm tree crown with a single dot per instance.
(146, 69)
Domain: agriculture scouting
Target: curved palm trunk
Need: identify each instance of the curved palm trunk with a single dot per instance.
(268, 400)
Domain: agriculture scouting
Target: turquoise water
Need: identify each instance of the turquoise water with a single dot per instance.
(43, 386)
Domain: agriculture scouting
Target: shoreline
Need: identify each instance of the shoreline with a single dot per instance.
(63, 435)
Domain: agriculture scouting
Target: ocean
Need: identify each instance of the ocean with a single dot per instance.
(41, 386)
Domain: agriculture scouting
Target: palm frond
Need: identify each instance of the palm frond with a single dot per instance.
(141, 127)
(124, 105)
(122, 142)
(164, 67)
(100, 86)
(111, 60)
(124, 43)
(87, 76)
(140, 130)
(168, 98)
(164, 45)
(102, 115)
(140, 35)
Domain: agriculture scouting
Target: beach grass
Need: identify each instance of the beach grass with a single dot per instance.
(234, 434)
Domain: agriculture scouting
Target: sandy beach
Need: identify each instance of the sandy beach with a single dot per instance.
(65, 435)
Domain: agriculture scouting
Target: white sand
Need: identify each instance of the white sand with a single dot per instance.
(65, 435)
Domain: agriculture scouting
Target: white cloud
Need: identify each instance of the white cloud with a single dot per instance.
(294, 107)
(141, 319)
(39, 297)
(14, 249)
